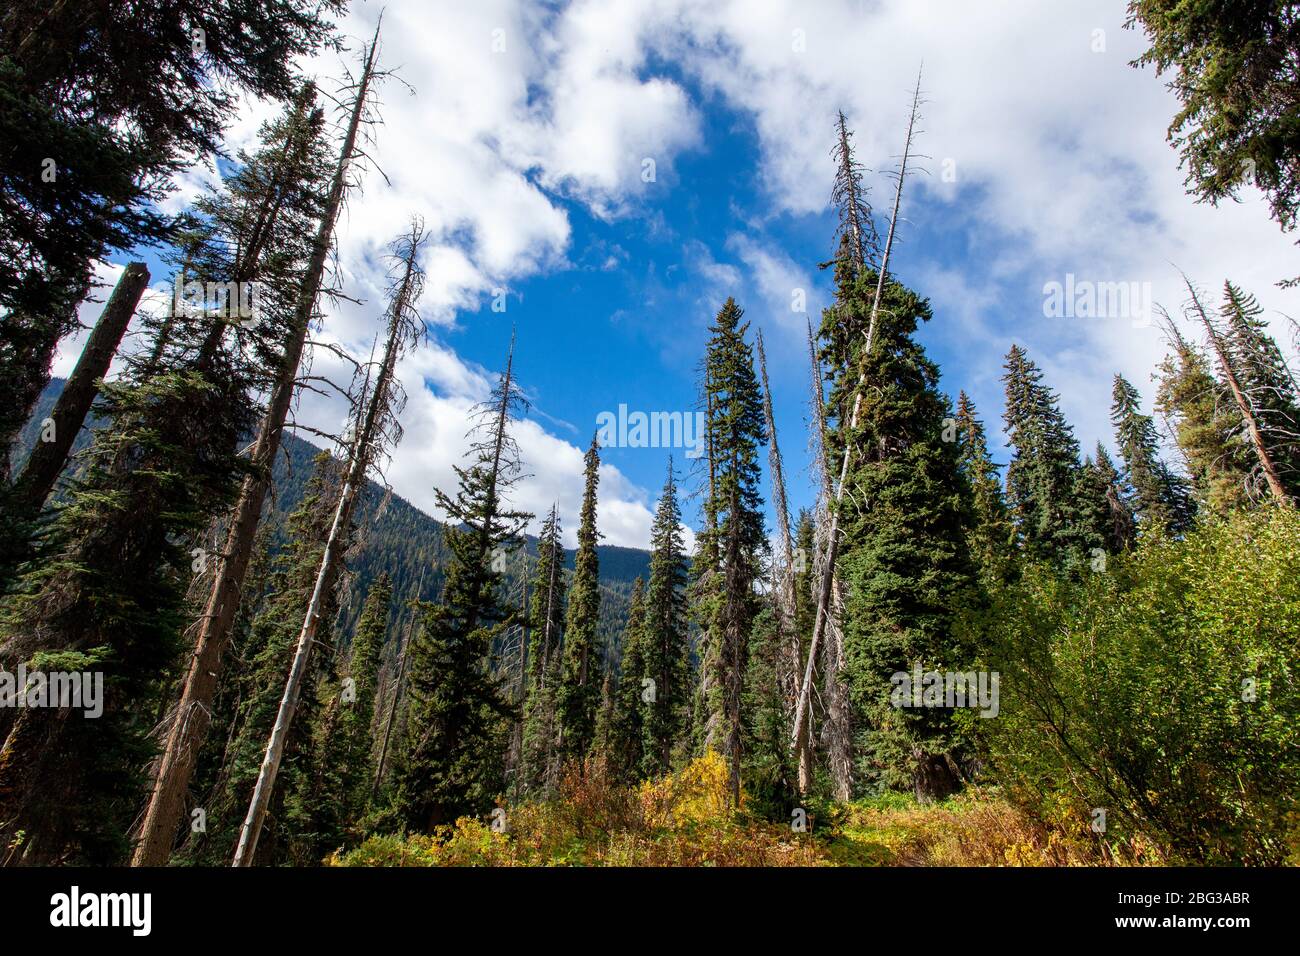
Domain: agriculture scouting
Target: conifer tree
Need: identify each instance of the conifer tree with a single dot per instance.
(1207, 427)
(664, 651)
(267, 652)
(991, 534)
(375, 427)
(189, 718)
(905, 521)
(1265, 453)
(627, 739)
(343, 752)
(112, 571)
(458, 711)
(539, 758)
(1104, 506)
(1044, 468)
(741, 543)
(579, 691)
(96, 119)
(1159, 498)
(1266, 381)
(849, 264)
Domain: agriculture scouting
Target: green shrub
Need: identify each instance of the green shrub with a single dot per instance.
(1162, 690)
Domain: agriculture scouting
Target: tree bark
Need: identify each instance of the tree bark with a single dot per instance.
(190, 722)
(1266, 462)
(327, 573)
(833, 538)
(47, 459)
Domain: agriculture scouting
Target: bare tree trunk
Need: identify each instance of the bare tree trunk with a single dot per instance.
(190, 720)
(839, 729)
(1252, 426)
(327, 574)
(833, 535)
(48, 458)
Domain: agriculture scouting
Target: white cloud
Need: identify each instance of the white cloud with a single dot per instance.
(1059, 155)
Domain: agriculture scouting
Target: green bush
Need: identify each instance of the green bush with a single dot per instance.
(1162, 690)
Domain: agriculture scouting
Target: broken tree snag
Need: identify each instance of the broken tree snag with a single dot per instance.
(189, 722)
(833, 537)
(48, 458)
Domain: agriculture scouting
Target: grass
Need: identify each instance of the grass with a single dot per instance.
(683, 820)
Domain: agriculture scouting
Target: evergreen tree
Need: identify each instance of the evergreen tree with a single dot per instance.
(539, 758)
(273, 632)
(96, 118)
(579, 691)
(458, 711)
(904, 518)
(664, 650)
(992, 533)
(1207, 428)
(1267, 382)
(740, 542)
(188, 725)
(1160, 500)
(343, 751)
(1044, 469)
(627, 737)
(114, 563)
(1105, 505)
(1232, 69)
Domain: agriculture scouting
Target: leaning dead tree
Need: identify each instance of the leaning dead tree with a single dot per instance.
(47, 459)
(190, 719)
(782, 573)
(824, 608)
(377, 426)
(1266, 462)
(839, 729)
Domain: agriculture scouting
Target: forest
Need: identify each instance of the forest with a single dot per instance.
(226, 640)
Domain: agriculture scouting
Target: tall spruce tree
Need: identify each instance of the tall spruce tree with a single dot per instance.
(740, 540)
(904, 518)
(1160, 500)
(458, 710)
(1044, 469)
(582, 669)
(665, 687)
(991, 534)
(539, 768)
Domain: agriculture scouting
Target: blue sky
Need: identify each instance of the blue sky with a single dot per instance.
(523, 148)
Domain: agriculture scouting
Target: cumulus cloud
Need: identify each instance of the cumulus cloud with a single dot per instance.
(1046, 158)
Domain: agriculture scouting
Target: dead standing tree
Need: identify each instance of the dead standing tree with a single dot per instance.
(824, 608)
(783, 571)
(191, 716)
(378, 425)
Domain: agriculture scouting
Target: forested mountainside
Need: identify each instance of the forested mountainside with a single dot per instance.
(393, 536)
